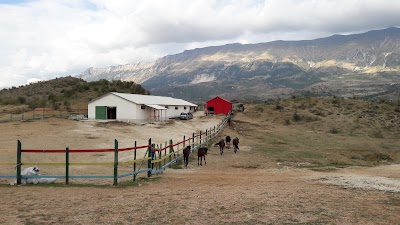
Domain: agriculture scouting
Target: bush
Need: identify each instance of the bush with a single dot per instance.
(333, 130)
(278, 107)
(21, 100)
(296, 117)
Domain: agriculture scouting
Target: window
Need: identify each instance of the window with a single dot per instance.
(167, 107)
(184, 107)
(142, 106)
(176, 107)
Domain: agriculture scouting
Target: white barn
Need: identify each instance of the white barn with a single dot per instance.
(137, 108)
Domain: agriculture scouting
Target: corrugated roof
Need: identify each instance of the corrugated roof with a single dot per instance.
(152, 99)
(157, 107)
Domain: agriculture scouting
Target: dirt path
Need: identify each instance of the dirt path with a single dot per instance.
(242, 188)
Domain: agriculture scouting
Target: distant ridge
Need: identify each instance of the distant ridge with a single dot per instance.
(345, 65)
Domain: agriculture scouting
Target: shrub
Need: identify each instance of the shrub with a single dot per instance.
(333, 130)
(296, 117)
(278, 107)
(378, 157)
(21, 100)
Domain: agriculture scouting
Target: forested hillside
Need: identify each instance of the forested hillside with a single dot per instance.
(62, 93)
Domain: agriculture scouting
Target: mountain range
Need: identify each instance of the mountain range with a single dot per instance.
(362, 65)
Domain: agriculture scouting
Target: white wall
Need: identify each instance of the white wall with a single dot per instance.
(172, 112)
(143, 115)
(125, 110)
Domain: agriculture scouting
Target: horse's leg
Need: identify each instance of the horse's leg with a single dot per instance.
(205, 159)
(198, 161)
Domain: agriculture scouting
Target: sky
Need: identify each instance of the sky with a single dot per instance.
(45, 39)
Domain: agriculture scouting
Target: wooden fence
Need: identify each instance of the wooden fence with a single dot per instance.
(41, 114)
(158, 158)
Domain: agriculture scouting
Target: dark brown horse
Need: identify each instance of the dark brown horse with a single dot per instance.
(221, 145)
(235, 143)
(186, 153)
(228, 141)
(201, 153)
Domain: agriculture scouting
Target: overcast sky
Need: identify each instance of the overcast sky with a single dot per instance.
(45, 39)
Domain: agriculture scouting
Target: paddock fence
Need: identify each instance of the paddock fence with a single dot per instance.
(156, 158)
(42, 113)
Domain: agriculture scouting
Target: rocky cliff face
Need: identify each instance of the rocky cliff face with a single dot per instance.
(265, 70)
(137, 72)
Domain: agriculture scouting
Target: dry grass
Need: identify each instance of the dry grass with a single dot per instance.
(323, 131)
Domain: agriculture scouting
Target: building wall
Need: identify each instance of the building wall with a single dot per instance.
(172, 112)
(220, 105)
(125, 110)
(143, 115)
(129, 111)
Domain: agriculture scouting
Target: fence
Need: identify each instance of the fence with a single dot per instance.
(41, 114)
(156, 157)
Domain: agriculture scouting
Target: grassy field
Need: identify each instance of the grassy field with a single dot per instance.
(322, 132)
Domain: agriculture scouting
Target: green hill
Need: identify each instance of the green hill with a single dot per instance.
(68, 93)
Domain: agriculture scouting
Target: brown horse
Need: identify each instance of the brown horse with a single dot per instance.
(201, 153)
(186, 153)
(235, 143)
(228, 141)
(221, 145)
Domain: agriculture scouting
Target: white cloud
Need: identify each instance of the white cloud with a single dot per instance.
(44, 39)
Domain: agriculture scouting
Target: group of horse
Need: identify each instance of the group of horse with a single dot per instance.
(202, 151)
(227, 142)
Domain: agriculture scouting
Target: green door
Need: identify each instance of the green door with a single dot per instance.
(101, 112)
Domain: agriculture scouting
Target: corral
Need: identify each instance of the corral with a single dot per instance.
(249, 187)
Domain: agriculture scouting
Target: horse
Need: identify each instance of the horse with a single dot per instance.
(201, 153)
(228, 141)
(221, 145)
(235, 143)
(186, 153)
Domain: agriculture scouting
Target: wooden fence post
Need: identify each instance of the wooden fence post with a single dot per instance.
(200, 139)
(19, 154)
(149, 161)
(165, 153)
(67, 166)
(193, 141)
(159, 156)
(214, 133)
(134, 164)
(115, 162)
(205, 141)
(170, 151)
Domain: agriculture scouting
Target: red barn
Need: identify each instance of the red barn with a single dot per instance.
(218, 105)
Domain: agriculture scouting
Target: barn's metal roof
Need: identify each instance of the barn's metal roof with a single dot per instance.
(153, 100)
(156, 107)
